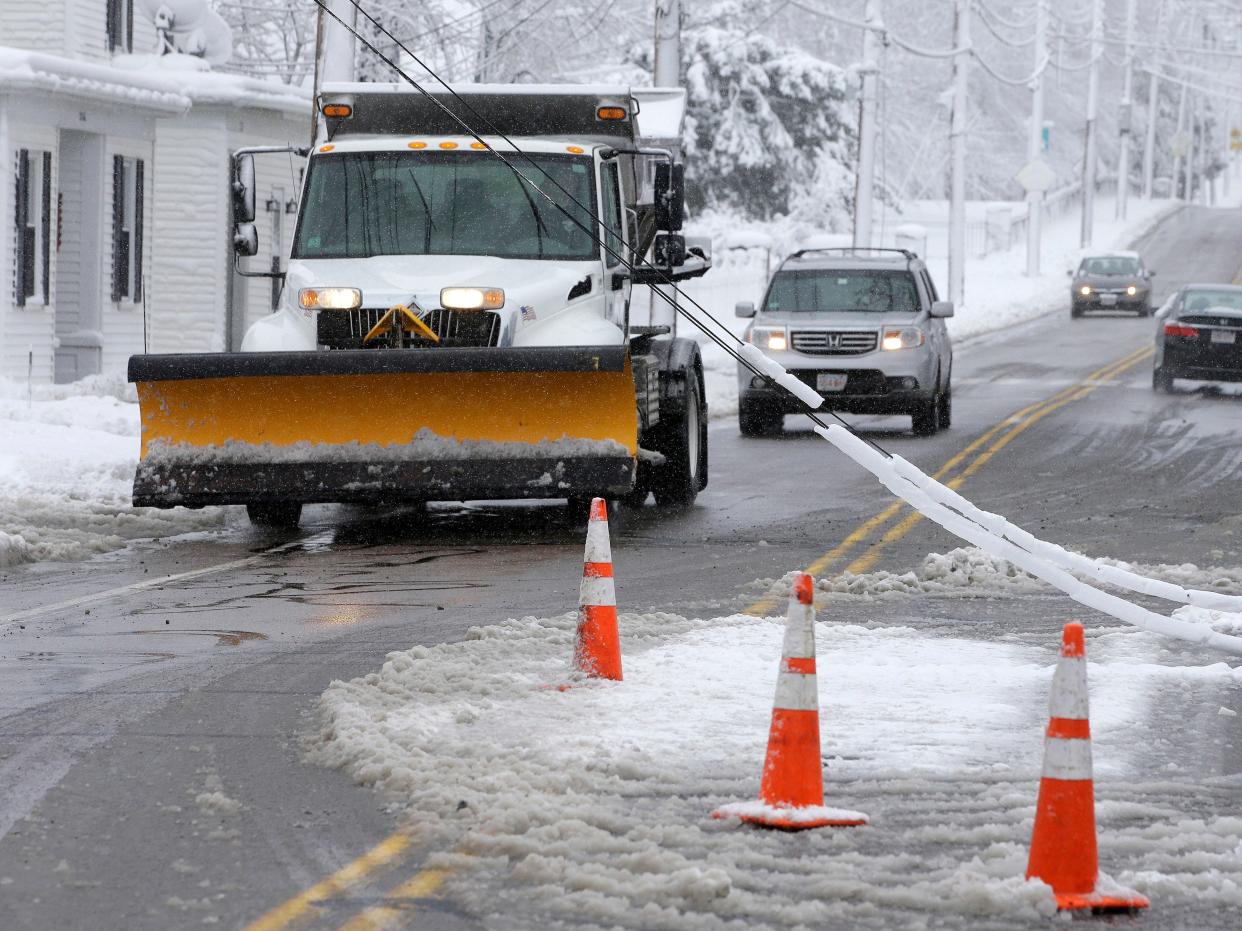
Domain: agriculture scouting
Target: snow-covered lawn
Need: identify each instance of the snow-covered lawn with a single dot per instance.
(67, 464)
(591, 807)
(998, 292)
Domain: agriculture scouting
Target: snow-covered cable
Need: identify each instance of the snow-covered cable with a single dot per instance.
(889, 36)
(883, 469)
(1013, 82)
(988, 12)
(1000, 527)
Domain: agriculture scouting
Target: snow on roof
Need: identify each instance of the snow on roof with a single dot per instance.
(171, 83)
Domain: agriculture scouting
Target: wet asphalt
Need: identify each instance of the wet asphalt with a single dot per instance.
(152, 740)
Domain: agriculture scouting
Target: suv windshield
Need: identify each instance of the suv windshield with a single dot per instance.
(820, 291)
(362, 204)
(1109, 265)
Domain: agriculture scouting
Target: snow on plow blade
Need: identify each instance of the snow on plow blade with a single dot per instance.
(385, 424)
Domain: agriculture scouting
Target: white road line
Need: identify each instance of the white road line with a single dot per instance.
(161, 581)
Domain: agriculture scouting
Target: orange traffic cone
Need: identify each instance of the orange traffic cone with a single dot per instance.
(1063, 851)
(791, 792)
(597, 652)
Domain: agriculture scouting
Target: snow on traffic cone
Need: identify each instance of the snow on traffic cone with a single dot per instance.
(1063, 850)
(597, 651)
(791, 792)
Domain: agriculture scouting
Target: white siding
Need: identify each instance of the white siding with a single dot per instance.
(37, 26)
(86, 38)
(188, 234)
(32, 326)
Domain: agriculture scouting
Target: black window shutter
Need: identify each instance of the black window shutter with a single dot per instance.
(128, 13)
(23, 200)
(138, 196)
(119, 250)
(47, 228)
(113, 13)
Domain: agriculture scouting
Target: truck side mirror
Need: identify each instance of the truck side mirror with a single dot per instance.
(670, 250)
(245, 239)
(243, 189)
(670, 196)
(744, 309)
(942, 309)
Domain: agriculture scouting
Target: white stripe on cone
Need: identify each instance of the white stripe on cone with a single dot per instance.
(799, 630)
(597, 546)
(796, 691)
(1068, 698)
(1067, 758)
(597, 591)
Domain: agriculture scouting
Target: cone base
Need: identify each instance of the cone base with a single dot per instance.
(1124, 900)
(784, 818)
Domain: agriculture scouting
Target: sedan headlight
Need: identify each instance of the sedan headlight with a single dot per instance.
(770, 338)
(330, 298)
(472, 298)
(906, 337)
(1085, 290)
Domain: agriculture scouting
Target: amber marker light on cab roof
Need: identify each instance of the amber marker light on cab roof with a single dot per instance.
(338, 110)
(575, 149)
(417, 145)
(448, 145)
(477, 145)
(611, 113)
(326, 148)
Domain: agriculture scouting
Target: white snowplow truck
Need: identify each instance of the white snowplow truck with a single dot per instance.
(453, 325)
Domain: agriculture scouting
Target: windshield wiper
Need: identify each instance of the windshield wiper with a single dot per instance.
(426, 212)
(539, 228)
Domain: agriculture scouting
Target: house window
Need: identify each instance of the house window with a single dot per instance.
(120, 26)
(34, 227)
(127, 198)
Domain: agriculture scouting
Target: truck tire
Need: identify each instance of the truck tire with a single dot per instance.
(677, 482)
(753, 420)
(283, 515)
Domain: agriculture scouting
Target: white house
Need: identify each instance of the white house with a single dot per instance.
(114, 187)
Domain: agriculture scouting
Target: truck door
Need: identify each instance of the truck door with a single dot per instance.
(616, 286)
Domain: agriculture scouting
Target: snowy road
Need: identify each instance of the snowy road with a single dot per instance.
(160, 750)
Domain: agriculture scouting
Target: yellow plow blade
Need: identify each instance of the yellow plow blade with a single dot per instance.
(419, 424)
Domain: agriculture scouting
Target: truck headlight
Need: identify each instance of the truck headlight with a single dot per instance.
(906, 337)
(472, 298)
(330, 298)
(770, 338)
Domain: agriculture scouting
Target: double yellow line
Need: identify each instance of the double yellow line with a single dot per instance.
(394, 908)
(999, 436)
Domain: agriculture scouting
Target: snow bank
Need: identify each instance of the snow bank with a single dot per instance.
(67, 463)
(591, 807)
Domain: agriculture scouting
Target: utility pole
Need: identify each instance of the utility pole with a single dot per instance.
(1124, 119)
(667, 70)
(1093, 104)
(957, 144)
(1153, 113)
(864, 188)
(1180, 190)
(1035, 137)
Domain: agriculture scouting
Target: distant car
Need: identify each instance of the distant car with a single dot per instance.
(1111, 281)
(863, 327)
(1199, 335)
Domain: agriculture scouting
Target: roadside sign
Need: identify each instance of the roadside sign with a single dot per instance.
(1036, 175)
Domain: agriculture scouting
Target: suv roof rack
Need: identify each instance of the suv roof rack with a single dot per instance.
(852, 250)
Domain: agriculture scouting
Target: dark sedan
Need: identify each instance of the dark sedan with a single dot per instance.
(1199, 335)
(1116, 281)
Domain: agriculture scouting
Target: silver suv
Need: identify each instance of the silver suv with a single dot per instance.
(863, 327)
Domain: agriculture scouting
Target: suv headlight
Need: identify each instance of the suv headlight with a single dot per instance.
(770, 338)
(906, 337)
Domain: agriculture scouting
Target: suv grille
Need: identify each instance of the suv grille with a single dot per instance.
(344, 329)
(834, 342)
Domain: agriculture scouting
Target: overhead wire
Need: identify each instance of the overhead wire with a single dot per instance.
(595, 219)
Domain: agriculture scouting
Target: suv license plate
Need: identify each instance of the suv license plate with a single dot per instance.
(1108, 300)
(830, 382)
(1218, 336)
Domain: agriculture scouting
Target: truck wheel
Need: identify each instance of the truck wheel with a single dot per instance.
(753, 420)
(283, 515)
(926, 417)
(677, 482)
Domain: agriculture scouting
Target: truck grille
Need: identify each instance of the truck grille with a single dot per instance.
(345, 329)
(834, 342)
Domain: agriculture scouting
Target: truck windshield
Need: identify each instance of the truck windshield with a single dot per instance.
(360, 204)
(820, 291)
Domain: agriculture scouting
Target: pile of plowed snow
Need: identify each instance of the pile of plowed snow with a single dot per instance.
(591, 806)
(67, 460)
